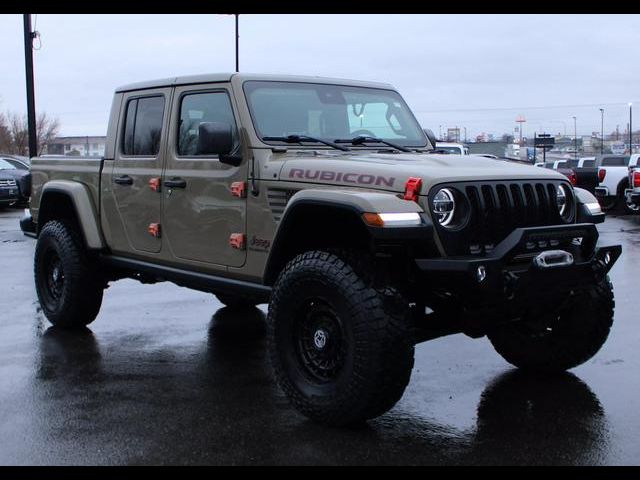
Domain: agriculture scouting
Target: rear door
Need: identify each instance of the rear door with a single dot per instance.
(202, 213)
(137, 164)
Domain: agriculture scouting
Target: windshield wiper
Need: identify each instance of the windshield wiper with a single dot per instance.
(304, 138)
(360, 139)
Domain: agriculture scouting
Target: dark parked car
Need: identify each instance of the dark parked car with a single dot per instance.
(15, 182)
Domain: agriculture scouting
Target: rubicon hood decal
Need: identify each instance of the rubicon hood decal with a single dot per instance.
(341, 177)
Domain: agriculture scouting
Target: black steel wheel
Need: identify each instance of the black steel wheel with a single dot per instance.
(320, 340)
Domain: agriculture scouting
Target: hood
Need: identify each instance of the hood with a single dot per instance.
(390, 171)
(14, 174)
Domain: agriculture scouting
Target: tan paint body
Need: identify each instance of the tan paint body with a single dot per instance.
(196, 222)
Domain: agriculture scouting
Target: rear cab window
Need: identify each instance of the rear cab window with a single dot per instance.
(615, 161)
(143, 126)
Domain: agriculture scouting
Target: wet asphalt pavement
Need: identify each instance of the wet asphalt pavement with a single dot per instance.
(166, 375)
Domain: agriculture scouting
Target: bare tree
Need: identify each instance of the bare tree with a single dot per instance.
(5, 134)
(17, 140)
(47, 129)
(19, 133)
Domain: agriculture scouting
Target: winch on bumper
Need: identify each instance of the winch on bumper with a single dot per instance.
(528, 267)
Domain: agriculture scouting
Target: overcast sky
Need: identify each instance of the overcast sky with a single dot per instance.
(473, 71)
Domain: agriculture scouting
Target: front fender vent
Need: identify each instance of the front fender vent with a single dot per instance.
(278, 199)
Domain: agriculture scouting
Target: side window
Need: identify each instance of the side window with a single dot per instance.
(143, 126)
(196, 108)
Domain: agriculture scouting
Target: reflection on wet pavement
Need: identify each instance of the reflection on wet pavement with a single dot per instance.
(167, 376)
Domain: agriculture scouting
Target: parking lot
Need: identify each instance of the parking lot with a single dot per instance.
(166, 375)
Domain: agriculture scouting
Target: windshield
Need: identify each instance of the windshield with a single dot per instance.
(4, 165)
(331, 112)
(440, 149)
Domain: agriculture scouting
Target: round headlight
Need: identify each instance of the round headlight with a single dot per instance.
(563, 200)
(444, 206)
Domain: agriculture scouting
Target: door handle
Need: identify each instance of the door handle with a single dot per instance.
(123, 180)
(175, 183)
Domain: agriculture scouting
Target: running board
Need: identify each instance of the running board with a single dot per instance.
(185, 278)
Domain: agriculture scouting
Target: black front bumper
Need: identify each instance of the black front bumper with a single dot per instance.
(507, 281)
(8, 195)
(28, 227)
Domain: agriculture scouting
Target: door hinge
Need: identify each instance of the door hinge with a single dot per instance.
(236, 240)
(154, 230)
(154, 184)
(239, 189)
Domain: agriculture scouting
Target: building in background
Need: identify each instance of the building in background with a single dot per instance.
(81, 146)
(453, 134)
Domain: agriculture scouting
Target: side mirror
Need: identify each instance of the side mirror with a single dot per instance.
(431, 137)
(216, 138)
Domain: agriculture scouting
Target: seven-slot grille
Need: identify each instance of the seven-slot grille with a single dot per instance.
(7, 183)
(496, 209)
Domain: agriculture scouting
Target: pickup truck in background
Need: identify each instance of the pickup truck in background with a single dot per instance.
(585, 172)
(613, 178)
(450, 147)
(323, 197)
(581, 172)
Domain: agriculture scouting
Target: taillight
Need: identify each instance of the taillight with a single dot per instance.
(601, 174)
(636, 179)
(573, 179)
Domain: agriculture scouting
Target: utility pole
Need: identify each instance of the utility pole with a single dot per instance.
(630, 129)
(575, 136)
(602, 130)
(237, 45)
(31, 102)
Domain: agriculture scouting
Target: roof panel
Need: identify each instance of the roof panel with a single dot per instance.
(225, 77)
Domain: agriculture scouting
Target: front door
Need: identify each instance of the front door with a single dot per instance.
(138, 160)
(201, 212)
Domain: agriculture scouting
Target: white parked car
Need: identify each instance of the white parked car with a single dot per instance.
(454, 148)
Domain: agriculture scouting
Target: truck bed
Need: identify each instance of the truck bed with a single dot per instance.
(85, 170)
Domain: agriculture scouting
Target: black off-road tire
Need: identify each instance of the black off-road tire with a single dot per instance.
(70, 298)
(371, 340)
(237, 301)
(576, 334)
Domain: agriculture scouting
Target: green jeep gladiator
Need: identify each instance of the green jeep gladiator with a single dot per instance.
(323, 198)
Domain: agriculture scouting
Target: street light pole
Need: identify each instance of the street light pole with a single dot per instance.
(31, 102)
(630, 129)
(602, 130)
(575, 137)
